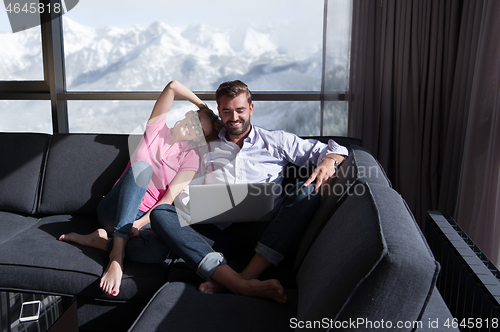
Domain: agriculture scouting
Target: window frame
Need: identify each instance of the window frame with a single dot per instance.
(53, 87)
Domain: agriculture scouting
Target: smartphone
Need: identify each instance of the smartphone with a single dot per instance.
(30, 311)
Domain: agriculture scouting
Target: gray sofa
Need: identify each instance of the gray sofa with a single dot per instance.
(361, 263)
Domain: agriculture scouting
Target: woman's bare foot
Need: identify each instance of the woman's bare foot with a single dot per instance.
(112, 277)
(98, 239)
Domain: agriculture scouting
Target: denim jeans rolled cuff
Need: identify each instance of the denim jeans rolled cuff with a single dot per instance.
(271, 255)
(209, 263)
(124, 231)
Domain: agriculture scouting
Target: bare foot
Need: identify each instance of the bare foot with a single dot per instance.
(269, 289)
(98, 239)
(212, 287)
(112, 277)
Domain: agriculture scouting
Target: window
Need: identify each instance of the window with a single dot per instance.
(25, 116)
(119, 55)
(337, 45)
(21, 54)
(125, 116)
(145, 44)
(299, 117)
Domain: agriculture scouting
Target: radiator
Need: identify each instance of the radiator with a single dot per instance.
(469, 282)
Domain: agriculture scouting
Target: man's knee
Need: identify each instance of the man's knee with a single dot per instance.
(299, 191)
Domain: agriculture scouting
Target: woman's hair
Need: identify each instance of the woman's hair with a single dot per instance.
(233, 89)
(214, 120)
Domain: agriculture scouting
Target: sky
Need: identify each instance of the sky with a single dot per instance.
(219, 13)
(295, 19)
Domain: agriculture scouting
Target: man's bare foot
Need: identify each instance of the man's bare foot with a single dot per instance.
(268, 289)
(97, 239)
(112, 277)
(212, 287)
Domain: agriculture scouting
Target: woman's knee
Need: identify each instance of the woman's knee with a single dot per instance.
(142, 173)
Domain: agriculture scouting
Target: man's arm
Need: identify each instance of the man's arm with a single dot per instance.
(325, 170)
(326, 156)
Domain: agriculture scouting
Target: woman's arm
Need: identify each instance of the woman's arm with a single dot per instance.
(166, 99)
(181, 180)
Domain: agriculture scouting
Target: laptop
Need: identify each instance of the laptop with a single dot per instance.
(229, 203)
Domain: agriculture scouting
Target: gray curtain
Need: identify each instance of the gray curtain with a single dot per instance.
(478, 208)
(414, 84)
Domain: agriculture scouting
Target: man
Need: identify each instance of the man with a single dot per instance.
(249, 154)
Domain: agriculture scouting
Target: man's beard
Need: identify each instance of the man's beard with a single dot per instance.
(237, 131)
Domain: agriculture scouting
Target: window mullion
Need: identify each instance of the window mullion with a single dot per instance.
(53, 64)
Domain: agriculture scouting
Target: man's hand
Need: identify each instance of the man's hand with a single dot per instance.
(323, 173)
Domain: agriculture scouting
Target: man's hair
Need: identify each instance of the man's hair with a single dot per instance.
(232, 89)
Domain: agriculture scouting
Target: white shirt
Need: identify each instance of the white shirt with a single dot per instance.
(263, 158)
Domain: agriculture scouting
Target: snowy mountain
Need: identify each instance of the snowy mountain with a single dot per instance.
(199, 56)
(145, 59)
(21, 55)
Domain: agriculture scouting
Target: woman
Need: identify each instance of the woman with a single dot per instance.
(163, 164)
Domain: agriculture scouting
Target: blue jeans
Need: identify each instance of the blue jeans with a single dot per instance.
(195, 244)
(118, 210)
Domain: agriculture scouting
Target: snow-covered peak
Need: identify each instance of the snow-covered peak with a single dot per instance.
(76, 36)
(213, 40)
(146, 58)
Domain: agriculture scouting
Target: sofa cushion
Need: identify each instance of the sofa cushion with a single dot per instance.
(81, 169)
(34, 260)
(436, 315)
(348, 248)
(12, 224)
(23, 155)
(342, 140)
(181, 307)
(367, 168)
(370, 262)
(401, 285)
(358, 166)
(342, 181)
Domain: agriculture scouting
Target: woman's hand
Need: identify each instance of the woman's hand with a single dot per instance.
(180, 182)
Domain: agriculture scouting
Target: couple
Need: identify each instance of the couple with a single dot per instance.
(139, 222)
